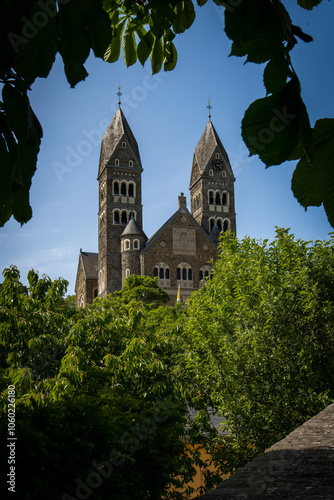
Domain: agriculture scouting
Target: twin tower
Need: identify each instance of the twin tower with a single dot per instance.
(180, 252)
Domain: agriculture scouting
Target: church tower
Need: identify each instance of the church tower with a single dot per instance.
(212, 184)
(120, 199)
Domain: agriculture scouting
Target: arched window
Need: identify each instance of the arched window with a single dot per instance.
(223, 173)
(211, 172)
(226, 225)
(162, 271)
(211, 198)
(211, 223)
(184, 272)
(224, 198)
(124, 217)
(136, 244)
(127, 245)
(123, 189)
(219, 224)
(116, 217)
(123, 145)
(217, 198)
(116, 188)
(130, 163)
(200, 274)
(127, 273)
(95, 293)
(217, 156)
(131, 190)
(116, 163)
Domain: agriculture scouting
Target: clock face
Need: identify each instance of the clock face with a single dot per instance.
(217, 165)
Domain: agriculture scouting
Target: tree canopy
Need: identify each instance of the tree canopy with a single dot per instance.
(275, 127)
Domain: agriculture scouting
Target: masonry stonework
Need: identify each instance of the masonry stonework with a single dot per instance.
(181, 253)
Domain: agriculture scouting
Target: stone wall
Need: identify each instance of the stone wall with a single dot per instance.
(299, 467)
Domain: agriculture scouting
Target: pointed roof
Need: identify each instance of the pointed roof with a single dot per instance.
(89, 264)
(206, 146)
(117, 131)
(182, 209)
(132, 229)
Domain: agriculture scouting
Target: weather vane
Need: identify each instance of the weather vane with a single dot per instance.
(209, 108)
(119, 93)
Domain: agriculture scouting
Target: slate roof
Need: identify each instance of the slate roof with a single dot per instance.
(117, 131)
(89, 263)
(132, 229)
(206, 146)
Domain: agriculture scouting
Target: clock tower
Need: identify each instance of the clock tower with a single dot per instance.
(212, 184)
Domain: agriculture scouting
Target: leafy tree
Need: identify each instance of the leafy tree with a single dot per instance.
(260, 342)
(275, 127)
(99, 410)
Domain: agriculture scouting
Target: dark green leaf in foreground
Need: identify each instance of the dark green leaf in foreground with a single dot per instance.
(270, 127)
(313, 186)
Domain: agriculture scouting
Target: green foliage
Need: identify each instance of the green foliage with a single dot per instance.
(97, 400)
(260, 340)
(275, 127)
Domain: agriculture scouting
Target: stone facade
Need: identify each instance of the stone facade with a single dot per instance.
(181, 252)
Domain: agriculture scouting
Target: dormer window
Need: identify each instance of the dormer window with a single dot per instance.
(123, 145)
(130, 163)
(116, 163)
(217, 156)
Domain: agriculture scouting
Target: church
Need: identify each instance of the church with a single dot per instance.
(180, 252)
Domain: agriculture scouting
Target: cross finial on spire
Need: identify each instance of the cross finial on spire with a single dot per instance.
(119, 93)
(209, 108)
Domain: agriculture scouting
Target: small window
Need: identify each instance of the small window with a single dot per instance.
(211, 223)
(116, 163)
(123, 145)
(223, 173)
(127, 244)
(217, 198)
(161, 273)
(116, 188)
(131, 190)
(130, 163)
(178, 273)
(217, 156)
(200, 275)
(167, 273)
(226, 225)
(155, 274)
(123, 189)
(127, 273)
(211, 172)
(219, 224)
(210, 197)
(124, 217)
(224, 198)
(136, 244)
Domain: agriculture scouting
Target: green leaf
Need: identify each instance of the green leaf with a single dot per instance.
(156, 56)
(313, 186)
(129, 46)
(144, 46)
(74, 42)
(37, 53)
(270, 127)
(99, 28)
(308, 4)
(184, 16)
(275, 74)
(170, 59)
(113, 51)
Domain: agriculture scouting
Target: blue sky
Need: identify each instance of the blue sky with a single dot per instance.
(167, 114)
